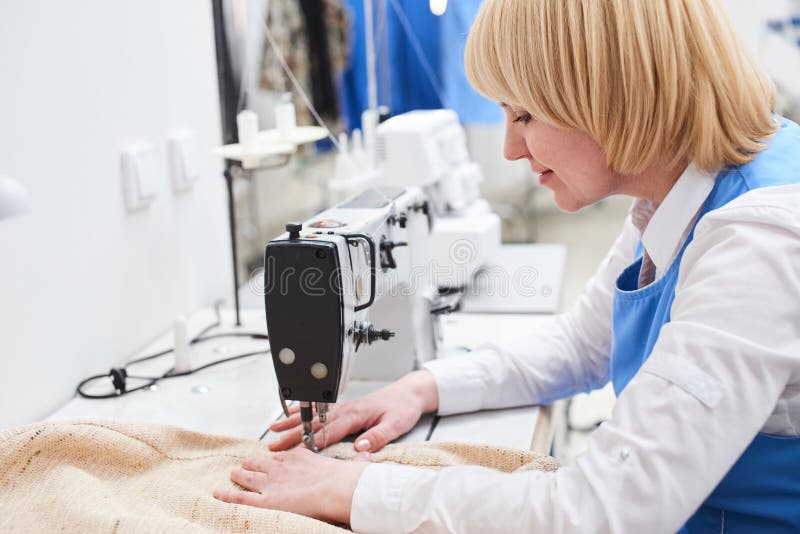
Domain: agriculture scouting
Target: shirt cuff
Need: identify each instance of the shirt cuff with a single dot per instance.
(460, 382)
(378, 500)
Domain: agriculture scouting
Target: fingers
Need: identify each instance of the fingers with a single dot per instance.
(287, 441)
(293, 420)
(250, 480)
(256, 464)
(335, 431)
(238, 497)
(285, 424)
(292, 438)
(376, 437)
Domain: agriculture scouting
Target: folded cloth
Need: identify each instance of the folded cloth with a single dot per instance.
(102, 476)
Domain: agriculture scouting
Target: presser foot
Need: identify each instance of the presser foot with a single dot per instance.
(309, 442)
(306, 418)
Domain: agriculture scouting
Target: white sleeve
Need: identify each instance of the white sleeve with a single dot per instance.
(730, 350)
(553, 360)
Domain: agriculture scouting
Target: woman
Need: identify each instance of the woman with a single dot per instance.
(693, 315)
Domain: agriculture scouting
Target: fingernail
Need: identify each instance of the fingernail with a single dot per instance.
(363, 445)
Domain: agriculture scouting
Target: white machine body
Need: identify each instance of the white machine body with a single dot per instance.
(393, 220)
(428, 149)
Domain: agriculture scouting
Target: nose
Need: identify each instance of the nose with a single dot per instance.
(514, 147)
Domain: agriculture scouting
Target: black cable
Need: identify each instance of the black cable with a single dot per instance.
(195, 339)
(217, 362)
(151, 357)
(210, 327)
(170, 374)
(119, 375)
(199, 340)
(117, 392)
(121, 390)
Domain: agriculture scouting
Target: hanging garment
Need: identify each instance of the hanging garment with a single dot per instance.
(313, 37)
(407, 59)
(323, 22)
(413, 33)
(414, 56)
(354, 99)
(285, 22)
(761, 492)
(472, 107)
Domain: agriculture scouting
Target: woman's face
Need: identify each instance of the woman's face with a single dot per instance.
(569, 162)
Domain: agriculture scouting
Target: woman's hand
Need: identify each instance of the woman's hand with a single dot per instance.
(298, 481)
(385, 414)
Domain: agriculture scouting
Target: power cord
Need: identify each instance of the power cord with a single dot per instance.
(119, 375)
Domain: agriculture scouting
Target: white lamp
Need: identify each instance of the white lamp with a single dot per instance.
(14, 198)
(438, 7)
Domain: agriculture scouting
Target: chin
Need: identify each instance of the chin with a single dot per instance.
(568, 204)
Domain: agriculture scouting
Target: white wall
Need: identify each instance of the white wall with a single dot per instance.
(83, 284)
(777, 55)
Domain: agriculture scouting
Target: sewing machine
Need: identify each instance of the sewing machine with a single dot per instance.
(390, 257)
(425, 238)
(428, 149)
(340, 283)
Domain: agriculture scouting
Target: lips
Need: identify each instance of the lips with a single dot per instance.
(545, 176)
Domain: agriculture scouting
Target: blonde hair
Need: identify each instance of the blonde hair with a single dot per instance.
(644, 78)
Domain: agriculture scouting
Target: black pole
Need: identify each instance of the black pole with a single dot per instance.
(234, 252)
(228, 97)
(227, 81)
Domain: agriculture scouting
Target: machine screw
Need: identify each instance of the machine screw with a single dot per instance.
(321, 253)
(286, 392)
(401, 219)
(375, 334)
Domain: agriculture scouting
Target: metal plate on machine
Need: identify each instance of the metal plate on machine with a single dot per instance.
(374, 198)
(305, 317)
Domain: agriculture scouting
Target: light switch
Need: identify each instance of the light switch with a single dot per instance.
(138, 167)
(184, 162)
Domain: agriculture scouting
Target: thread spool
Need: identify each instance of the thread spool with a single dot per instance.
(247, 127)
(183, 360)
(285, 117)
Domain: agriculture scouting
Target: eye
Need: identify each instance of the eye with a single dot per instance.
(524, 118)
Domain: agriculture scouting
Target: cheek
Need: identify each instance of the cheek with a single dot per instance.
(552, 147)
(544, 148)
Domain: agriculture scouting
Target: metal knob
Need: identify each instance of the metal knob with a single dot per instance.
(294, 230)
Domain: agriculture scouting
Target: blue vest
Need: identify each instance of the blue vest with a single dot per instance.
(761, 492)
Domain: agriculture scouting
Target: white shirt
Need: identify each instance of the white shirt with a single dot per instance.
(725, 367)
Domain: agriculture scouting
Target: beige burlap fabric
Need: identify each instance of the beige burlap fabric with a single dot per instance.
(99, 476)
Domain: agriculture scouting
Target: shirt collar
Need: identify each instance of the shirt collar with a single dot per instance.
(667, 229)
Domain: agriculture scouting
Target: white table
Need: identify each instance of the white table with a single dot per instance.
(240, 399)
(235, 399)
